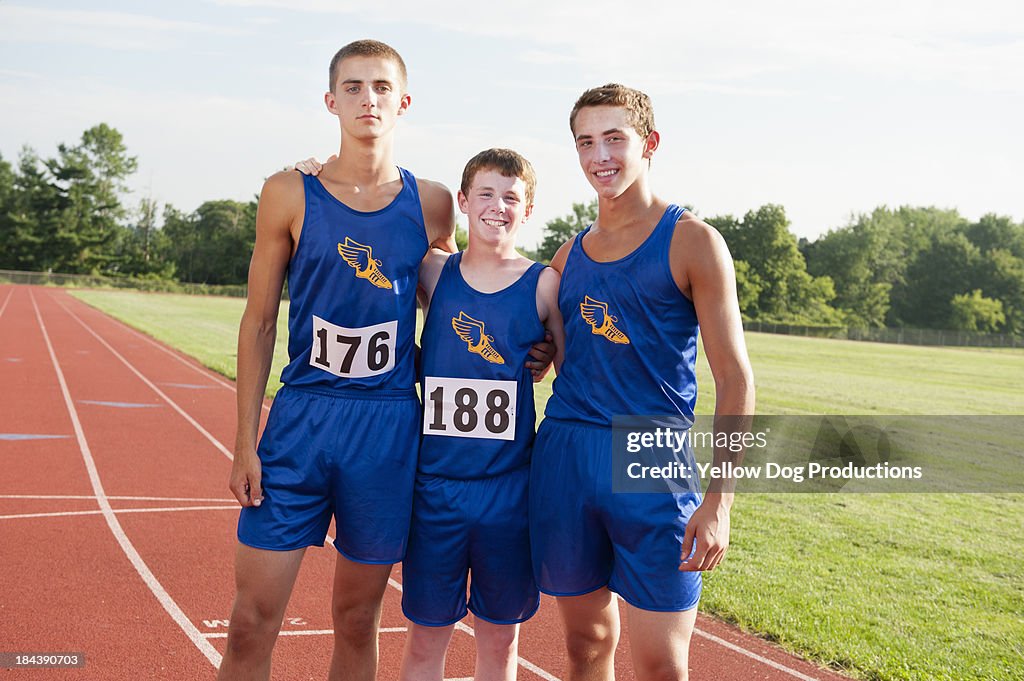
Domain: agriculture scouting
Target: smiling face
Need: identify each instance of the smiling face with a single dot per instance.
(612, 153)
(496, 205)
(368, 96)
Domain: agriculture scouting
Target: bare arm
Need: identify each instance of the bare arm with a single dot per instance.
(438, 215)
(542, 354)
(277, 218)
(704, 270)
(430, 272)
(550, 315)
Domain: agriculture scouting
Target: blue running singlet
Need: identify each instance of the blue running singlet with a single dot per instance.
(631, 335)
(352, 284)
(478, 412)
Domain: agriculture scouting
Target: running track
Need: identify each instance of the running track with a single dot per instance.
(117, 529)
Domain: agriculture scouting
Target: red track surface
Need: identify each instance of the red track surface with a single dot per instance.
(118, 534)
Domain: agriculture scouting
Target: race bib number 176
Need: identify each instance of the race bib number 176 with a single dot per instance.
(463, 407)
(353, 353)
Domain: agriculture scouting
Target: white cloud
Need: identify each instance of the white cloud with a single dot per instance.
(909, 39)
(108, 30)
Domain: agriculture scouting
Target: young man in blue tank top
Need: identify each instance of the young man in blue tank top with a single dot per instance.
(634, 287)
(485, 308)
(342, 436)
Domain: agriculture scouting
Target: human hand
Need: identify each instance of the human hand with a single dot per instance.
(247, 478)
(542, 354)
(706, 537)
(311, 166)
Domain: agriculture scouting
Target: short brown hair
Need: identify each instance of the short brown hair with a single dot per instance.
(639, 110)
(366, 48)
(507, 162)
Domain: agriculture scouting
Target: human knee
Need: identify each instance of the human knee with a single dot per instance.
(252, 628)
(497, 642)
(590, 645)
(355, 624)
(664, 670)
(423, 644)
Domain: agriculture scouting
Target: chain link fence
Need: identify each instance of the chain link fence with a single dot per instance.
(133, 283)
(899, 335)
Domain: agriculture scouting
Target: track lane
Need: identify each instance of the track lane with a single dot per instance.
(64, 578)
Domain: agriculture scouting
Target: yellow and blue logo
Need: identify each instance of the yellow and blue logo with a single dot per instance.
(360, 258)
(477, 340)
(596, 314)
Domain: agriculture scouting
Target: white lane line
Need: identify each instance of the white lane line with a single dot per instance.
(130, 552)
(61, 514)
(749, 653)
(89, 496)
(313, 632)
(462, 626)
(203, 371)
(6, 300)
(174, 405)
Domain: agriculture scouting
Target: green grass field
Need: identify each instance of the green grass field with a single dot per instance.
(882, 586)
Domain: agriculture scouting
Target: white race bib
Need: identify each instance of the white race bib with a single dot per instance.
(353, 353)
(464, 407)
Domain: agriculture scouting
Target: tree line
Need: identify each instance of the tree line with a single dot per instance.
(910, 266)
(904, 267)
(66, 214)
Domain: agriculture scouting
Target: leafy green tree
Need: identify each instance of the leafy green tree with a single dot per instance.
(560, 230)
(144, 247)
(748, 288)
(941, 271)
(8, 234)
(213, 244)
(997, 232)
(89, 178)
(1001, 276)
(787, 293)
(974, 312)
(856, 258)
(30, 217)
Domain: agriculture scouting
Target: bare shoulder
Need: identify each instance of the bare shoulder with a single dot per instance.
(549, 279)
(430, 271)
(433, 262)
(695, 241)
(561, 255)
(283, 183)
(284, 188)
(282, 199)
(696, 232)
(547, 293)
(698, 252)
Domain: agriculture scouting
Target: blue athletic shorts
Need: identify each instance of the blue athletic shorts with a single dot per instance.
(584, 537)
(350, 455)
(475, 531)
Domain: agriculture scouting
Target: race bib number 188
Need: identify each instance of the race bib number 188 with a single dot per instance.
(463, 407)
(353, 353)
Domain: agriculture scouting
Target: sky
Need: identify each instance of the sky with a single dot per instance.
(827, 108)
